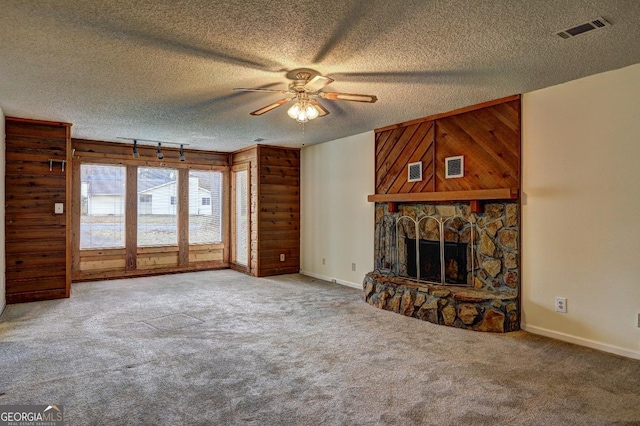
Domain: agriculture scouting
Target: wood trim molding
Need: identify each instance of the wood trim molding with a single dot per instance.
(43, 122)
(250, 195)
(75, 219)
(252, 147)
(183, 217)
(68, 210)
(226, 209)
(131, 219)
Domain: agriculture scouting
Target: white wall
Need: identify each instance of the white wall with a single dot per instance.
(337, 222)
(581, 211)
(2, 256)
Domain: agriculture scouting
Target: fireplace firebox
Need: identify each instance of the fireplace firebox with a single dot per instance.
(430, 260)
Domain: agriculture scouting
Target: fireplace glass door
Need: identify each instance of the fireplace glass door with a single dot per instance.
(430, 261)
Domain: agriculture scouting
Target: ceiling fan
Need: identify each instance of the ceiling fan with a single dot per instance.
(304, 89)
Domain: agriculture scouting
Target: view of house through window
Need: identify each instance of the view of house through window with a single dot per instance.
(157, 207)
(102, 211)
(102, 219)
(205, 207)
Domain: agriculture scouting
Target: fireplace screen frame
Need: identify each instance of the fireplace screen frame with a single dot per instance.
(441, 225)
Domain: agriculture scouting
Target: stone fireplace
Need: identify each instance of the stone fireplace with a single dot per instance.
(442, 263)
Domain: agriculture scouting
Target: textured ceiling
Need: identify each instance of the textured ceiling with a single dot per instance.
(164, 69)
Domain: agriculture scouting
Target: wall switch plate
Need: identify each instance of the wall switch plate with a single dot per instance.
(323, 261)
(638, 319)
(282, 257)
(561, 305)
(58, 208)
(353, 266)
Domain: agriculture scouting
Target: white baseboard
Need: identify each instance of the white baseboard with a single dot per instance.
(325, 278)
(605, 347)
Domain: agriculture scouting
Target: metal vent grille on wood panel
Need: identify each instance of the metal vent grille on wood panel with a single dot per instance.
(414, 172)
(454, 167)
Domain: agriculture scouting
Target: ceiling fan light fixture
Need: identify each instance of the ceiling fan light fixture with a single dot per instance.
(294, 111)
(303, 89)
(302, 116)
(312, 112)
(302, 111)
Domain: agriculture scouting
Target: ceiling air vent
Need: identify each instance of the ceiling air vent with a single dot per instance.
(454, 167)
(414, 172)
(585, 27)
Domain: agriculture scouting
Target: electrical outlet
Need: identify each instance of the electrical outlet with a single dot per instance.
(323, 261)
(282, 257)
(334, 281)
(561, 305)
(353, 266)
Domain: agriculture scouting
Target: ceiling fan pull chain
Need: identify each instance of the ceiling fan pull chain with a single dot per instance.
(303, 134)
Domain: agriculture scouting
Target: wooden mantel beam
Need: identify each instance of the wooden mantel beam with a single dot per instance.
(472, 195)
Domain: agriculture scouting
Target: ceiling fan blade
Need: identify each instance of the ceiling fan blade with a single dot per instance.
(317, 83)
(348, 97)
(322, 111)
(446, 76)
(270, 106)
(249, 89)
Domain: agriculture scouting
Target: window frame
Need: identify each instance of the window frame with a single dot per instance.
(210, 198)
(123, 204)
(125, 262)
(173, 204)
(233, 216)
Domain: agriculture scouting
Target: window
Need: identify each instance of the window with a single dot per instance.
(205, 207)
(102, 216)
(157, 214)
(241, 216)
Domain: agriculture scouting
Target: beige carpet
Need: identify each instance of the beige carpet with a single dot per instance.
(216, 348)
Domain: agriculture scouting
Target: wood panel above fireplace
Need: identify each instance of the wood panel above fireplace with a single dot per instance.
(486, 135)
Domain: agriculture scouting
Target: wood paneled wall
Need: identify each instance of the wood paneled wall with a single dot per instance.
(36, 239)
(275, 208)
(278, 210)
(133, 260)
(121, 153)
(489, 139)
(487, 135)
(396, 149)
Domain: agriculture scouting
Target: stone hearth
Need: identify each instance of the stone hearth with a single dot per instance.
(455, 306)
